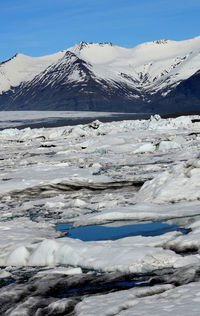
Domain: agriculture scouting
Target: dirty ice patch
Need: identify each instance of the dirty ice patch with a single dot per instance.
(159, 300)
(114, 303)
(22, 178)
(183, 300)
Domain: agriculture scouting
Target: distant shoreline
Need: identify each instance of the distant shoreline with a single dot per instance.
(67, 121)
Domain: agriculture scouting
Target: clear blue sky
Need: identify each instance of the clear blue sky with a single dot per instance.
(41, 27)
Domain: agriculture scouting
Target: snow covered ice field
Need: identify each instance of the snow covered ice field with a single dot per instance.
(112, 174)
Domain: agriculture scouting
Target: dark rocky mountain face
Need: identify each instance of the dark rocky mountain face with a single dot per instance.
(185, 97)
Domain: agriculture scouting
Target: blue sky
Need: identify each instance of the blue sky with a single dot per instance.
(41, 27)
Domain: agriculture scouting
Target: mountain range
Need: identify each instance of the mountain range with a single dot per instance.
(155, 77)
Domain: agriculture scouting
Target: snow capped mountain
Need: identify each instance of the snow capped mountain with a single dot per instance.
(146, 66)
(101, 76)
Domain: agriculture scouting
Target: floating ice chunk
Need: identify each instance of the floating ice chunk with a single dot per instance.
(78, 131)
(79, 203)
(102, 150)
(179, 183)
(107, 204)
(189, 242)
(138, 212)
(167, 145)
(193, 163)
(155, 117)
(181, 121)
(95, 124)
(96, 165)
(86, 144)
(121, 255)
(171, 123)
(59, 307)
(145, 148)
(10, 132)
(44, 254)
(54, 204)
(61, 270)
(19, 257)
(16, 232)
(4, 274)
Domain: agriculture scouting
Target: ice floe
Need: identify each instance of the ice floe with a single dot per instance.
(179, 183)
(124, 255)
(102, 174)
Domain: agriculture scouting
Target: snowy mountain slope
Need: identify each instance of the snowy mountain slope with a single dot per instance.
(22, 68)
(91, 76)
(150, 66)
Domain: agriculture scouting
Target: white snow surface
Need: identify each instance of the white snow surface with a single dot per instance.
(152, 66)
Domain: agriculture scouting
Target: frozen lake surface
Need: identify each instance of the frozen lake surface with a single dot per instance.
(126, 196)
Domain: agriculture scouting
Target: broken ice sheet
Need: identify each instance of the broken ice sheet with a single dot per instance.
(88, 176)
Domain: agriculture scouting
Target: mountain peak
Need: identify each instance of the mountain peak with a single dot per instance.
(83, 44)
(11, 58)
(161, 41)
